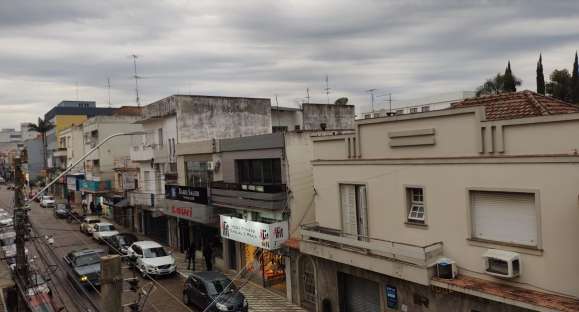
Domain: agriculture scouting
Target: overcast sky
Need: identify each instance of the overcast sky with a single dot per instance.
(412, 49)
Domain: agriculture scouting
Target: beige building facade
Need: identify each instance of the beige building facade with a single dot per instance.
(404, 192)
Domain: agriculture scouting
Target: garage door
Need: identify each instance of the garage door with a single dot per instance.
(358, 294)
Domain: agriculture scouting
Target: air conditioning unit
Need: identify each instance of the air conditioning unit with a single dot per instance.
(502, 263)
(446, 268)
(210, 165)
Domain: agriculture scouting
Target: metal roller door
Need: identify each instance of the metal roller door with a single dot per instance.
(358, 294)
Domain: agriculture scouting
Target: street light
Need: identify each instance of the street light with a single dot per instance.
(83, 158)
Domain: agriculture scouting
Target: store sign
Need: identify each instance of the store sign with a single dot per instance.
(182, 211)
(186, 193)
(391, 297)
(128, 181)
(71, 183)
(263, 235)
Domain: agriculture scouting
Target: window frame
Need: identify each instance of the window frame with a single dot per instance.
(473, 240)
(247, 172)
(408, 205)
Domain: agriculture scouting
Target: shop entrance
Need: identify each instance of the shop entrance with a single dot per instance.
(184, 238)
(268, 265)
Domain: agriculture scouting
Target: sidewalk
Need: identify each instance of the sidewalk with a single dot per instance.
(259, 298)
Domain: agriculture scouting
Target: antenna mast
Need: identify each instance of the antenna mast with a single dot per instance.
(109, 90)
(308, 95)
(372, 97)
(327, 89)
(137, 77)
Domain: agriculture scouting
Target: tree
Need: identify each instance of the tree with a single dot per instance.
(495, 85)
(575, 81)
(509, 83)
(43, 127)
(559, 85)
(540, 76)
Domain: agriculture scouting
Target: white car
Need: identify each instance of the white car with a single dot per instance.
(150, 258)
(102, 230)
(47, 201)
(6, 222)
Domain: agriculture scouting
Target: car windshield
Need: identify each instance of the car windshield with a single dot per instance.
(217, 286)
(155, 252)
(93, 221)
(37, 280)
(125, 240)
(48, 198)
(60, 206)
(106, 227)
(87, 259)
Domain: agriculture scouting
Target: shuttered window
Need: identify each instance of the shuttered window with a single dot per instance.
(504, 217)
(354, 210)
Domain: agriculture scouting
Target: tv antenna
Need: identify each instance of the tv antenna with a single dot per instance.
(308, 95)
(327, 89)
(137, 77)
(371, 91)
(109, 90)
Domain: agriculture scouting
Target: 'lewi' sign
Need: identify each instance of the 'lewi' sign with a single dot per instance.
(267, 236)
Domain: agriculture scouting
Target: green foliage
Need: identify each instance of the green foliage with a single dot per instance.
(495, 85)
(509, 83)
(540, 76)
(575, 82)
(559, 86)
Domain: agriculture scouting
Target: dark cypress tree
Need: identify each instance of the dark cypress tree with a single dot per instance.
(575, 82)
(509, 84)
(540, 76)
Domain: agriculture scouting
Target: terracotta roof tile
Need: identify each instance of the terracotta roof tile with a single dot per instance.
(514, 105)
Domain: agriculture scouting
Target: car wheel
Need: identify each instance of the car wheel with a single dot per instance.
(186, 300)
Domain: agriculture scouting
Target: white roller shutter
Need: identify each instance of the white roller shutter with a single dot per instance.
(362, 212)
(348, 203)
(504, 217)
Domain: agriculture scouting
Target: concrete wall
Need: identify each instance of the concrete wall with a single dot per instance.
(335, 116)
(286, 118)
(203, 117)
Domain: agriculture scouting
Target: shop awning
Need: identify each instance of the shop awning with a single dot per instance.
(122, 204)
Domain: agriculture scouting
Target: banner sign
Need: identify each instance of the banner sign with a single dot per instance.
(71, 183)
(263, 235)
(186, 193)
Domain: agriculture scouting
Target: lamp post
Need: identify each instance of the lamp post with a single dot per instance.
(83, 158)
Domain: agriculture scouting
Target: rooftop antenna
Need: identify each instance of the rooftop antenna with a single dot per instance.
(327, 89)
(137, 77)
(109, 90)
(390, 101)
(277, 105)
(308, 95)
(372, 97)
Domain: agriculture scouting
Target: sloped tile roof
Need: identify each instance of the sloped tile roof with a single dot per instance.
(514, 105)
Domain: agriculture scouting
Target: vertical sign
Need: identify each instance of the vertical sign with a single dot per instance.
(391, 297)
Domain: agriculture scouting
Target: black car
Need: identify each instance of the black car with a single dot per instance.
(85, 266)
(119, 243)
(202, 288)
(61, 211)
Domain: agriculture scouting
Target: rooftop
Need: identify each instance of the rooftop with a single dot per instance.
(514, 105)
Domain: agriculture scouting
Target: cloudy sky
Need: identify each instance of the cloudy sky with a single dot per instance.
(412, 49)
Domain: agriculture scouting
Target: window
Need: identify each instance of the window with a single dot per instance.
(507, 217)
(160, 136)
(308, 280)
(197, 175)
(279, 129)
(354, 210)
(413, 110)
(425, 108)
(259, 171)
(399, 112)
(415, 199)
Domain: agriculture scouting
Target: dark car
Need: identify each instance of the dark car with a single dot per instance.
(85, 266)
(202, 288)
(119, 243)
(61, 211)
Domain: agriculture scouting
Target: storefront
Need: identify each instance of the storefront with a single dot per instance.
(259, 247)
(155, 225)
(73, 188)
(192, 220)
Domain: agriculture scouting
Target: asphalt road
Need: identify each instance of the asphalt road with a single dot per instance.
(165, 294)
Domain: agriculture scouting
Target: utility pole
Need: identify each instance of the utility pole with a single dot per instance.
(20, 227)
(111, 283)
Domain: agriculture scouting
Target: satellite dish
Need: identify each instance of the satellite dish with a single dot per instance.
(341, 101)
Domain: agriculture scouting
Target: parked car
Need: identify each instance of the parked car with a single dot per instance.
(119, 244)
(6, 222)
(150, 258)
(102, 230)
(85, 266)
(7, 238)
(47, 201)
(87, 225)
(61, 211)
(202, 288)
(2, 181)
(38, 285)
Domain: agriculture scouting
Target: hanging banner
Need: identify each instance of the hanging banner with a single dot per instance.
(267, 236)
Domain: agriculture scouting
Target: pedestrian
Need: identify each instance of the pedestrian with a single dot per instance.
(208, 255)
(191, 256)
(99, 209)
(91, 208)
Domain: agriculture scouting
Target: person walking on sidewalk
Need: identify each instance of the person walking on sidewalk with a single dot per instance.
(191, 256)
(208, 255)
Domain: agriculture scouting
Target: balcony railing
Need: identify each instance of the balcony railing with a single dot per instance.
(241, 196)
(423, 256)
(149, 200)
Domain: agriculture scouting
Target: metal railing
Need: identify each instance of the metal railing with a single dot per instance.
(260, 188)
(424, 255)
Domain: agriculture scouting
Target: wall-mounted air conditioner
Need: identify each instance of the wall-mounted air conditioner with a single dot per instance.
(210, 166)
(446, 268)
(502, 263)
